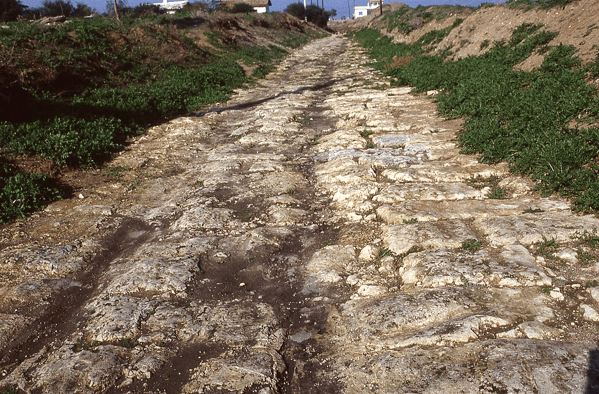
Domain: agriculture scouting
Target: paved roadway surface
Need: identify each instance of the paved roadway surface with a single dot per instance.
(319, 233)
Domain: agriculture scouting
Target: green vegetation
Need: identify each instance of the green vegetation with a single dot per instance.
(10, 10)
(239, 8)
(22, 194)
(497, 193)
(543, 122)
(8, 390)
(547, 247)
(75, 93)
(471, 245)
(312, 13)
(529, 4)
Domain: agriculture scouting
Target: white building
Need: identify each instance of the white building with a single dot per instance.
(260, 6)
(363, 10)
(171, 6)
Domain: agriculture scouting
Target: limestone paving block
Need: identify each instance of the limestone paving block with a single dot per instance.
(161, 276)
(381, 158)
(286, 216)
(589, 313)
(428, 235)
(238, 370)
(275, 183)
(116, 318)
(353, 197)
(344, 139)
(385, 158)
(238, 322)
(203, 217)
(374, 320)
(91, 371)
(329, 263)
(428, 192)
(51, 261)
(10, 325)
(266, 166)
(484, 367)
(439, 172)
(530, 228)
(454, 331)
(538, 330)
(262, 140)
(512, 266)
(426, 211)
(344, 170)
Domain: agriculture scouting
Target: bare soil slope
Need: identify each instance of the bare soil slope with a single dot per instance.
(577, 25)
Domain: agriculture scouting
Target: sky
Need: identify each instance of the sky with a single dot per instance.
(279, 5)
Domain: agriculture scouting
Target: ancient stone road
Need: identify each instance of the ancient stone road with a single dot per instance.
(320, 233)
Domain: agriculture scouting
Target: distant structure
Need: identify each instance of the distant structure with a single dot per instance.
(260, 6)
(171, 6)
(363, 10)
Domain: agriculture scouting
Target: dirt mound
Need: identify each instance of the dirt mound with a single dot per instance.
(575, 23)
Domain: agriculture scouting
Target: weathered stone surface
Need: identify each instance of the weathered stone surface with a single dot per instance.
(237, 371)
(444, 234)
(530, 228)
(513, 266)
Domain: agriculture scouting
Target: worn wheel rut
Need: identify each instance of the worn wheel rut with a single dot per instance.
(320, 232)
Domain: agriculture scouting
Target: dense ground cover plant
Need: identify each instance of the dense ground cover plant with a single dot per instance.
(75, 93)
(543, 122)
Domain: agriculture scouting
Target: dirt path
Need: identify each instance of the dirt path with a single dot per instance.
(318, 233)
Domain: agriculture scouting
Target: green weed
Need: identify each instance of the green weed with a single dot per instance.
(22, 194)
(9, 390)
(584, 257)
(547, 247)
(385, 252)
(366, 133)
(471, 245)
(497, 193)
(410, 221)
(588, 238)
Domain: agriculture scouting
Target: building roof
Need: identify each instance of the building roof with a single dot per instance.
(172, 5)
(253, 3)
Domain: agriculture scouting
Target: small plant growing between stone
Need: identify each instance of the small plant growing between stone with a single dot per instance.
(480, 182)
(410, 221)
(472, 245)
(384, 252)
(533, 210)
(547, 246)
(583, 257)
(588, 238)
(366, 133)
(497, 193)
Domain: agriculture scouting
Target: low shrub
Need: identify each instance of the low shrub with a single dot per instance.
(22, 194)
